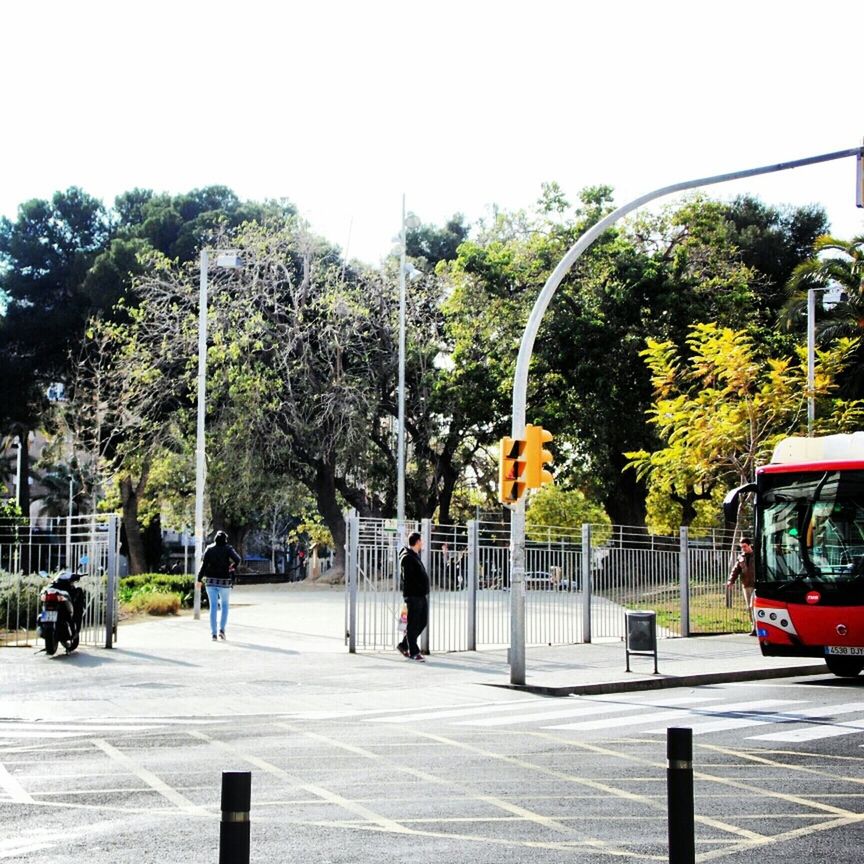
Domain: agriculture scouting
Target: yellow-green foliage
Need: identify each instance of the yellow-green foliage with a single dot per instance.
(554, 513)
(720, 412)
(154, 603)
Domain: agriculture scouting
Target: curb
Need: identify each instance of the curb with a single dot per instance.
(664, 682)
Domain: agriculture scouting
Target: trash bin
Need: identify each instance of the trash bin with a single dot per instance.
(640, 630)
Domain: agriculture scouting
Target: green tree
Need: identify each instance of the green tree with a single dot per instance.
(551, 508)
(840, 263)
(720, 409)
(44, 257)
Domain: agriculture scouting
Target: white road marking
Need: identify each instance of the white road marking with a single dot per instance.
(455, 712)
(583, 710)
(816, 731)
(752, 715)
(13, 788)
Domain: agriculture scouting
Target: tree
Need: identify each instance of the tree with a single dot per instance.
(840, 263)
(45, 255)
(554, 513)
(720, 410)
(429, 244)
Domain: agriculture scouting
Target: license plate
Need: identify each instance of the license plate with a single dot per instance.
(50, 615)
(844, 651)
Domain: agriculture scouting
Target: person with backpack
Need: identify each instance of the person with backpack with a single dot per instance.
(217, 572)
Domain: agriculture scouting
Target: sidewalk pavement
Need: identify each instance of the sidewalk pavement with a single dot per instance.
(310, 620)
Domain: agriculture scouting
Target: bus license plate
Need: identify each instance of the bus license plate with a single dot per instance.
(49, 615)
(844, 651)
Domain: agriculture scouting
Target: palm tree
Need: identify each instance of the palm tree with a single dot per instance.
(838, 263)
(54, 501)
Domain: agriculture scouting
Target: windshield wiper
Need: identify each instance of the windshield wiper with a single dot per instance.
(801, 577)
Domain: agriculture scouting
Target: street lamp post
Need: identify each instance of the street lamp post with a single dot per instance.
(407, 222)
(230, 259)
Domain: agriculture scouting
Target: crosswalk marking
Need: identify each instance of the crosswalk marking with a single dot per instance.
(750, 714)
(455, 712)
(682, 715)
(581, 710)
(822, 730)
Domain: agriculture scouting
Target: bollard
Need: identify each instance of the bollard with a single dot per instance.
(679, 792)
(234, 828)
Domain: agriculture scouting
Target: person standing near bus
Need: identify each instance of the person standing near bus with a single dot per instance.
(744, 572)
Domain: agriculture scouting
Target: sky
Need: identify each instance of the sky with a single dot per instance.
(343, 107)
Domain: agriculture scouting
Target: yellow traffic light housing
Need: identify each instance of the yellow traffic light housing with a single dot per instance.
(537, 457)
(511, 470)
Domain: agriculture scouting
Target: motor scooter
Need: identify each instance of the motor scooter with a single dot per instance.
(59, 622)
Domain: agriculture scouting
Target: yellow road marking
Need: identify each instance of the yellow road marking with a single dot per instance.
(508, 806)
(594, 784)
(723, 781)
(154, 782)
(762, 760)
(319, 792)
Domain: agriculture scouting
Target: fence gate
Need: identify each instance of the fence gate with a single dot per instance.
(578, 584)
(33, 552)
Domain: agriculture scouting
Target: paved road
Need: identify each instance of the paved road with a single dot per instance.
(404, 767)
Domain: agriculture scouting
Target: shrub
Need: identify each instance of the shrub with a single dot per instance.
(154, 603)
(148, 583)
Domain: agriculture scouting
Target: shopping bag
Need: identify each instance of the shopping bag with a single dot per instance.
(403, 619)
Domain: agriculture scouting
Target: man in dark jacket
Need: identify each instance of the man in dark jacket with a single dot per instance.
(217, 570)
(415, 590)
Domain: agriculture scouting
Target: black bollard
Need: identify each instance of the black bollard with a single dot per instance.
(679, 791)
(234, 828)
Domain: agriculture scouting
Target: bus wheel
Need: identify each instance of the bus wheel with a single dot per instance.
(844, 667)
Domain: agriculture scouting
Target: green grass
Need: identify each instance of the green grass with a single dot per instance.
(708, 610)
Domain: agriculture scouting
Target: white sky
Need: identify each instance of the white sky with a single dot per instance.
(343, 106)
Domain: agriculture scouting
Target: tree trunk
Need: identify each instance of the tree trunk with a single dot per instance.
(323, 487)
(129, 496)
(626, 503)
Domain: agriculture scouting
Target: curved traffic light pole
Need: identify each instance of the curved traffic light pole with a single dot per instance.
(526, 348)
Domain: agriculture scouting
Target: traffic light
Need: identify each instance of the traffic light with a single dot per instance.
(536, 457)
(511, 471)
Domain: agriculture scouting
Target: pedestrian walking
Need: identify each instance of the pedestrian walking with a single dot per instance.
(415, 590)
(744, 571)
(217, 572)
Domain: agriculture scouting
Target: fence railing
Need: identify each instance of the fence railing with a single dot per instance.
(33, 552)
(578, 584)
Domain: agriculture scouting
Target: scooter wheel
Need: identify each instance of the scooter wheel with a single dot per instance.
(50, 642)
(72, 644)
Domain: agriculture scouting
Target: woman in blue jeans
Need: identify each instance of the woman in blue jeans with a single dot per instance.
(217, 571)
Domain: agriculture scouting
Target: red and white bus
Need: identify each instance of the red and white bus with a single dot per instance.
(809, 550)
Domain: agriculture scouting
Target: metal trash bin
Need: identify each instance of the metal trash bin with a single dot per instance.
(640, 630)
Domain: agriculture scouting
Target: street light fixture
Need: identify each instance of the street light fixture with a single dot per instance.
(409, 221)
(231, 259)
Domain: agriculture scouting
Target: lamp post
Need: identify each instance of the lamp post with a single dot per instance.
(407, 222)
(833, 295)
(229, 259)
(18, 470)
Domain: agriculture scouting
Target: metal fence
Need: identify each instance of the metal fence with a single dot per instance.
(570, 596)
(33, 552)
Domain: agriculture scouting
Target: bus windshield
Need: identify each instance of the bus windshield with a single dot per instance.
(811, 527)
